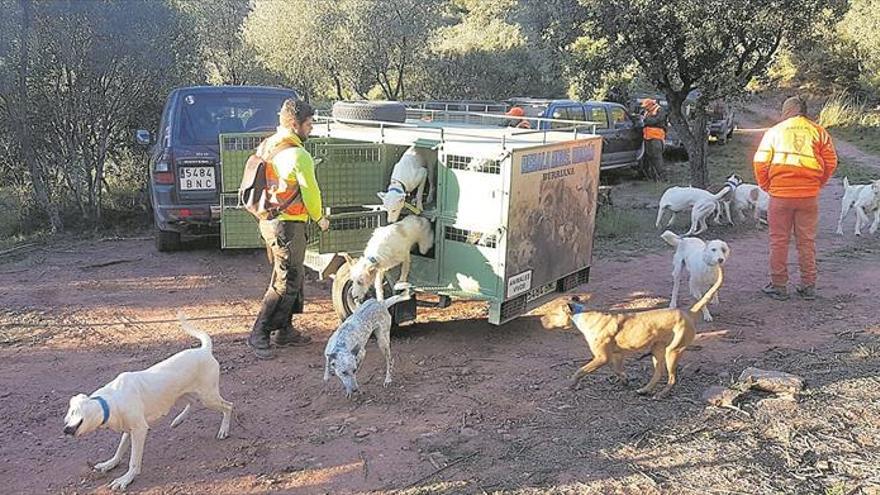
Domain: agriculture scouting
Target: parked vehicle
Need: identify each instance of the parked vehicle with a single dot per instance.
(721, 124)
(513, 214)
(621, 132)
(184, 161)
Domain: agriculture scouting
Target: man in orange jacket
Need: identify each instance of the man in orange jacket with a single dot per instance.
(795, 159)
(654, 135)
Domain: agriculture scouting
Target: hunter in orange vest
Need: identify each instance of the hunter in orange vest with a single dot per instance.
(654, 135)
(290, 178)
(795, 159)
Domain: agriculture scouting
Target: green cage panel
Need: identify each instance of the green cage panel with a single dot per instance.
(238, 228)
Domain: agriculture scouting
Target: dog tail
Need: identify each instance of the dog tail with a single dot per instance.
(391, 301)
(671, 238)
(189, 328)
(696, 308)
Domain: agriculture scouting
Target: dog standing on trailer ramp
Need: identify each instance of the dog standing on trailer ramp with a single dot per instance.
(135, 400)
(388, 247)
(703, 261)
(347, 346)
(665, 332)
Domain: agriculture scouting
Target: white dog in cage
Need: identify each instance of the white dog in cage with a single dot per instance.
(410, 174)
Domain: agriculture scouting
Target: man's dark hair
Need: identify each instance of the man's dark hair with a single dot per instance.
(294, 112)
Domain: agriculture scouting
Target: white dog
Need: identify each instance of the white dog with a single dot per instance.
(703, 262)
(135, 400)
(410, 174)
(678, 199)
(347, 347)
(388, 247)
(750, 197)
(864, 198)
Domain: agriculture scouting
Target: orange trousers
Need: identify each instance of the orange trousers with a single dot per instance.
(800, 215)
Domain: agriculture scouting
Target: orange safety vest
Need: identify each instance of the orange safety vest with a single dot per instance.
(795, 159)
(282, 189)
(649, 133)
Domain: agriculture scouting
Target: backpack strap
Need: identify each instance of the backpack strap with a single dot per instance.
(276, 210)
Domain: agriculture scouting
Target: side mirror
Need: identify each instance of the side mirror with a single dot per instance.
(143, 137)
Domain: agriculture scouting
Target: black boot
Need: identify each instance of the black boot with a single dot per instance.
(258, 340)
(286, 335)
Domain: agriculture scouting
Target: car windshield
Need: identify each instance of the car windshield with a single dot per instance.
(203, 117)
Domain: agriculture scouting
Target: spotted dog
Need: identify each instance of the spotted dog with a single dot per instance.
(346, 348)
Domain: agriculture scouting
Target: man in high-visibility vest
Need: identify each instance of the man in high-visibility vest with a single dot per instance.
(654, 135)
(795, 159)
(290, 179)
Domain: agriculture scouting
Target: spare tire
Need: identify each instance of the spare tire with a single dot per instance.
(383, 111)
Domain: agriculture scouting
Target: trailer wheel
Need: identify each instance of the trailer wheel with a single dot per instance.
(343, 303)
(384, 111)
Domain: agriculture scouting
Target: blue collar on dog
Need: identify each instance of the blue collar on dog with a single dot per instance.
(732, 184)
(104, 407)
(373, 260)
(396, 189)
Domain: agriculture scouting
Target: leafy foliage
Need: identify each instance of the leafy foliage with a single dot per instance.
(714, 46)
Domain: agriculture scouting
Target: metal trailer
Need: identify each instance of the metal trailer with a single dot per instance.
(513, 217)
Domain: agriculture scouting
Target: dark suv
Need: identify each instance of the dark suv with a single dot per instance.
(185, 155)
(621, 133)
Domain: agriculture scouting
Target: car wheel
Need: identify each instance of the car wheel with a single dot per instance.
(383, 111)
(167, 241)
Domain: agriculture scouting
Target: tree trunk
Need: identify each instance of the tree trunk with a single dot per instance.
(694, 135)
(338, 84)
(38, 179)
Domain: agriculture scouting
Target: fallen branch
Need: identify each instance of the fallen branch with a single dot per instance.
(109, 263)
(440, 470)
(116, 238)
(16, 248)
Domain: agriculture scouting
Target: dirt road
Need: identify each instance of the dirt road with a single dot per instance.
(473, 408)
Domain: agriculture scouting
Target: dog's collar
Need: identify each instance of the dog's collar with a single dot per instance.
(104, 407)
(373, 260)
(414, 209)
(401, 189)
(732, 184)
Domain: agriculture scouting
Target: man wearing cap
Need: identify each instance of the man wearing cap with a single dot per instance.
(654, 134)
(518, 121)
(795, 159)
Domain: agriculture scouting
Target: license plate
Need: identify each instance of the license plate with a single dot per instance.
(196, 178)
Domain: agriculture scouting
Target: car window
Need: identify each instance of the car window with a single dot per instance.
(165, 124)
(620, 119)
(203, 117)
(566, 113)
(598, 116)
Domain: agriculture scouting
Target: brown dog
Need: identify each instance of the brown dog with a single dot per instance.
(666, 332)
